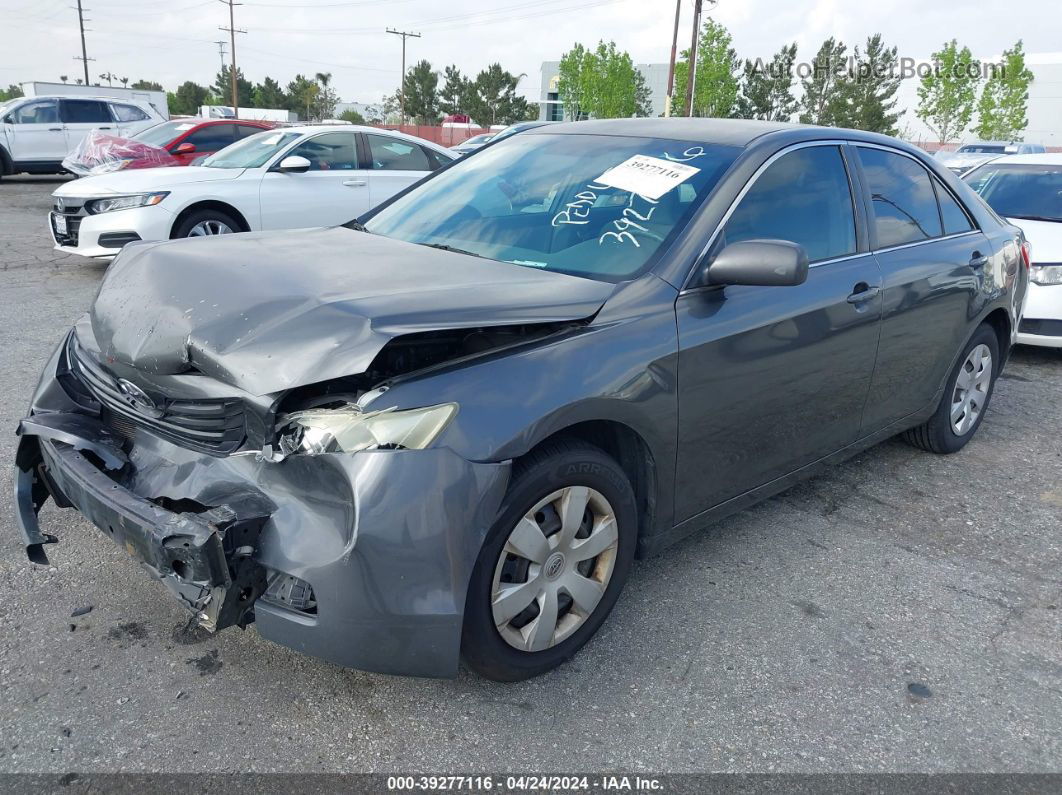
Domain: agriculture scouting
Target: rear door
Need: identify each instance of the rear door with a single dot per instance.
(35, 131)
(394, 164)
(333, 191)
(82, 115)
(130, 119)
(773, 378)
(932, 260)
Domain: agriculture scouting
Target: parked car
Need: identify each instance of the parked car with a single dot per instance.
(519, 127)
(447, 428)
(37, 132)
(971, 155)
(1027, 191)
(276, 179)
(172, 143)
(471, 144)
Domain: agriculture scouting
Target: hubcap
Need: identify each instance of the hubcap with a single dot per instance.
(204, 228)
(554, 568)
(971, 390)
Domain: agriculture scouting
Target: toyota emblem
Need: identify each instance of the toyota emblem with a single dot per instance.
(135, 396)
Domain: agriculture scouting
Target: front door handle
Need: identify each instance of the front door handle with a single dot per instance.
(978, 260)
(355, 183)
(862, 293)
(55, 129)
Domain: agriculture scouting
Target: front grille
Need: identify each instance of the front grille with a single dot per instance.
(209, 425)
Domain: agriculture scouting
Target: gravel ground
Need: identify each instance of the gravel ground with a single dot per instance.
(899, 613)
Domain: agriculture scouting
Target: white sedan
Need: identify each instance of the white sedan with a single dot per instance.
(278, 179)
(1027, 191)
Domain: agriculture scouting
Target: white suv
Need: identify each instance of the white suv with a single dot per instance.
(36, 133)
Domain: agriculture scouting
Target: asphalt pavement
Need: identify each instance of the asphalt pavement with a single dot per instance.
(900, 613)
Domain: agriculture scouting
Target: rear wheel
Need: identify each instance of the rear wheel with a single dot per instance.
(206, 223)
(966, 397)
(553, 564)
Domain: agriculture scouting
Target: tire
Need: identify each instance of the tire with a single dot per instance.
(193, 224)
(940, 433)
(566, 471)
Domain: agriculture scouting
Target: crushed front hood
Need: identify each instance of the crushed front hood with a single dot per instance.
(271, 311)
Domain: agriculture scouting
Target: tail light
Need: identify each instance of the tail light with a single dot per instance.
(1026, 253)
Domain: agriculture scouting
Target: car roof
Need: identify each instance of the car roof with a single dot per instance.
(732, 132)
(308, 129)
(1036, 159)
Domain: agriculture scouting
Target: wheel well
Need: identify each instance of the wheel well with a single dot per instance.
(629, 450)
(999, 320)
(221, 207)
(7, 165)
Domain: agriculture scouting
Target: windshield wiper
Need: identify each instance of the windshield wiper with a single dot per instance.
(356, 225)
(1035, 218)
(445, 247)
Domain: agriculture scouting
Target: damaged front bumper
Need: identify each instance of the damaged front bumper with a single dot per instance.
(385, 541)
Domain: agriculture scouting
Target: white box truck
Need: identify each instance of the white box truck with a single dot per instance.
(254, 114)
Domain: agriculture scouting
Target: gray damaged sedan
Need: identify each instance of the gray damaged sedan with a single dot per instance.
(445, 431)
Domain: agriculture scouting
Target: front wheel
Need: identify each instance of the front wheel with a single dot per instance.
(553, 564)
(966, 397)
(206, 223)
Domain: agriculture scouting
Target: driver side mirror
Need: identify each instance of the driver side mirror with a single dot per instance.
(766, 263)
(184, 149)
(294, 164)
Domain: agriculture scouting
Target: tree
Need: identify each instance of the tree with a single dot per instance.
(187, 99)
(222, 88)
(822, 101)
(300, 96)
(124, 81)
(453, 96)
(575, 82)
(948, 92)
(352, 116)
(715, 88)
(147, 85)
(602, 83)
(767, 89)
(268, 94)
(12, 92)
(643, 96)
(1002, 109)
(64, 78)
(869, 89)
(324, 105)
(420, 94)
(493, 100)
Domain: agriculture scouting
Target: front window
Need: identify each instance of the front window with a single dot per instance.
(1026, 191)
(44, 111)
(161, 134)
(588, 205)
(252, 152)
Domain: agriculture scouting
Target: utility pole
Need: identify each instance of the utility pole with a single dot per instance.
(232, 30)
(221, 53)
(691, 78)
(84, 55)
(671, 69)
(402, 84)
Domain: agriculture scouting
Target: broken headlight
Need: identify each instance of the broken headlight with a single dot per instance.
(349, 428)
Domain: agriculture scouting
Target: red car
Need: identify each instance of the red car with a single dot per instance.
(172, 143)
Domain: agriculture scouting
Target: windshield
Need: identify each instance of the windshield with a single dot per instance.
(1020, 190)
(251, 152)
(984, 149)
(162, 134)
(546, 201)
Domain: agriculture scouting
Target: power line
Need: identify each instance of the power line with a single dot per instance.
(402, 85)
(233, 30)
(84, 53)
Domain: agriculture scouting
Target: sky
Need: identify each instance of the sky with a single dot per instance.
(175, 40)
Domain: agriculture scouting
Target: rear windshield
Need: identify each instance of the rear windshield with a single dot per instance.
(1020, 190)
(588, 205)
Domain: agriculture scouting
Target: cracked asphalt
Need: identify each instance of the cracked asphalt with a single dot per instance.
(900, 613)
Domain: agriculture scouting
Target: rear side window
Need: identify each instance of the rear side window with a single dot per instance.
(85, 111)
(212, 137)
(905, 206)
(128, 113)
(393, 154)
(951, 212)
(46, 111)
(802, 197)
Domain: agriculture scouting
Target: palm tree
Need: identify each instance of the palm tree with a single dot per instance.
(125, 81)
(80, 81)
(64, 78)
(324, 78)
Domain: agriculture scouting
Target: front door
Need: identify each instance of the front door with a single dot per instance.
(332, 192)
(774, 378)
(35, 131)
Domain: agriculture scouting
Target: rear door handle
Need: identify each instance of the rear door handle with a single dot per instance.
(55, 129)
(355, 183)
(862, 293)
(978, 260)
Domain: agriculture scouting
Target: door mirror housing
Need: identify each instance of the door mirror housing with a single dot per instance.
(766, 263)
(184, 149)
(293, 164)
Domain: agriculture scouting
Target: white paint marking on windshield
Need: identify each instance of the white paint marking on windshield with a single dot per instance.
(690, 154)
(577, 211)
(647, 176)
